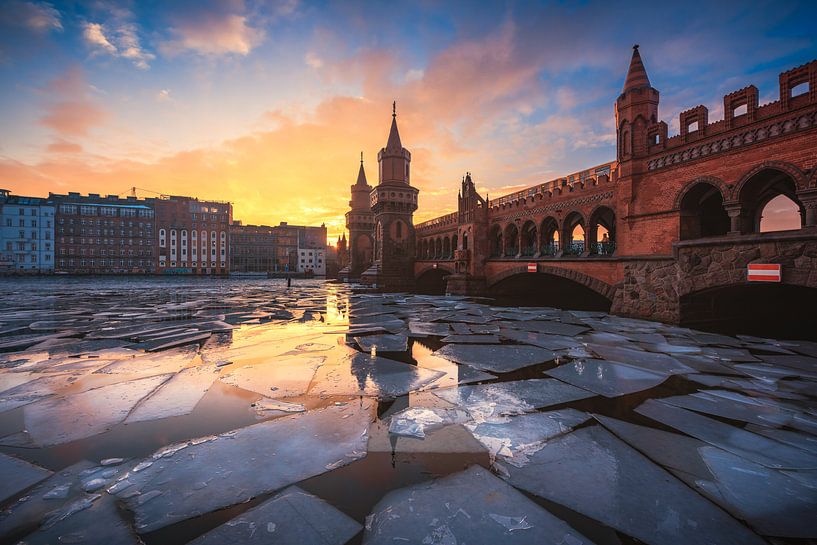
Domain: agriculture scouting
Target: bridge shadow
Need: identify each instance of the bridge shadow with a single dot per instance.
(541, 289)
(432, 282)
(779, 311)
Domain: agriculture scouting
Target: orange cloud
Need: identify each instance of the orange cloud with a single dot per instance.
(214, 34)
(72, 112)
(62, 146)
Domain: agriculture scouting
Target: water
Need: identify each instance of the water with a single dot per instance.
(77, 354)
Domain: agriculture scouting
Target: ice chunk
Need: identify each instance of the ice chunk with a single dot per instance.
(596, 474)
(471, 339)
(282, 378)
(415, 421)
(802, 441)
(94, 519)
(736, 407)
(292, 516)
(542, 340)
(607, 378)
(487, 402)
(471, 506)
(384, 343)
(774, 504)
(176, 397)
(425, 329)
(449, 439)
(804, 363)
(751, 446)
(657, 363)
(552, 327)
(44, 498)
(17, 475)
(362, 374)
(62, 420)
(513, 441)
(496, 358)
(264, 404)
(290, 449)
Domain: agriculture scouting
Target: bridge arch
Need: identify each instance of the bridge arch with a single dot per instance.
(702, 214)
(495, 238)
(432, 280)
(601, 220)
(763, 184)
(549, 240)
(800, 181)
(553, 286)
(574, 239)
(529, 239)
(511, 239)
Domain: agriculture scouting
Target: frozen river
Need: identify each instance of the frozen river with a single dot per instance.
(166, 411)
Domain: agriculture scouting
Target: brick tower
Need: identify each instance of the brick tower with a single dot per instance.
(472, 247)
(393, 203)
(360, 223)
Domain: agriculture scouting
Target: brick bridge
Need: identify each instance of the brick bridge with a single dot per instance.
(665, 231)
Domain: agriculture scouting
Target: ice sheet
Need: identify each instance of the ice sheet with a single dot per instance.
(773, 503)
(362, 374)
(383, 343)
(594, 473)
(471, 339)
(17, 475)
(751, 446)
(651, 361)
(736, 407)
(472, 506)
(187, 480)
(607, 378)
(282, 377)
(292, 516)
(176, 397)
(64, 419)
(487, 402)
(416, 421)
(513, 441)
(496, 358)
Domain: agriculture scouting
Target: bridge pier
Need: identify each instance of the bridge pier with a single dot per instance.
(465, 284)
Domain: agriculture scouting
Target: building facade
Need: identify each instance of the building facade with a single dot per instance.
(104, 235)
(26, 234)
(262, 248)
(360, 223)
(193, 236)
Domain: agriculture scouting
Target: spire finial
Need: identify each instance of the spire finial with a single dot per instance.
(361, 158)
(394, 109)
(635, 46)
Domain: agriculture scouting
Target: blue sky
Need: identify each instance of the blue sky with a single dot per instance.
(269, 103)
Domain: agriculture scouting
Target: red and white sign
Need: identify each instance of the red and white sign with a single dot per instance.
(764, 272)
(532, 267)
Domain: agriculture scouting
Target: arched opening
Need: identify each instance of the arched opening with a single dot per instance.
(573, 234)
(496, 241)
(438, 249)
(465, 241)
(397, 231)
(753, 309)
(529, 239)
(432, 282)
(378, 241)
(453, 245)
(758, 191)
(550, 237)
(446, 248)
(702, 212)
(780, 214)
(511, 240)
(602, 231)
(542, 289)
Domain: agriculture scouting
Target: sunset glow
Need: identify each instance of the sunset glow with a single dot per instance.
(268, 105)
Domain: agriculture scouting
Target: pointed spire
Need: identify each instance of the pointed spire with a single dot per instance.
(361, 175)
(394, 135)
(637, 74)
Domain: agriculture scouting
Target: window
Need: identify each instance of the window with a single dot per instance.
(692, 127)
(740, 110)
(800, 89)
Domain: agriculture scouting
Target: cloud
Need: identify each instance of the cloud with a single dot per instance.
(163, 95)
(95, 37)
(63, 146)
(37, 16)
(72, 112)
(210, 33)
(313, 61)
(119, 37)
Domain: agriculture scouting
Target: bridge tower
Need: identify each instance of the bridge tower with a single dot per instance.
(360, 223)
(393, 203)
(472, 242)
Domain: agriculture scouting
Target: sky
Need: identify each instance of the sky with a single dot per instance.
(268, 104)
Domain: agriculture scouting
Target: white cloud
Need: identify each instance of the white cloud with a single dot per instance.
(214, 34)
(94, 35)
(122, 41)
(163, 95)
